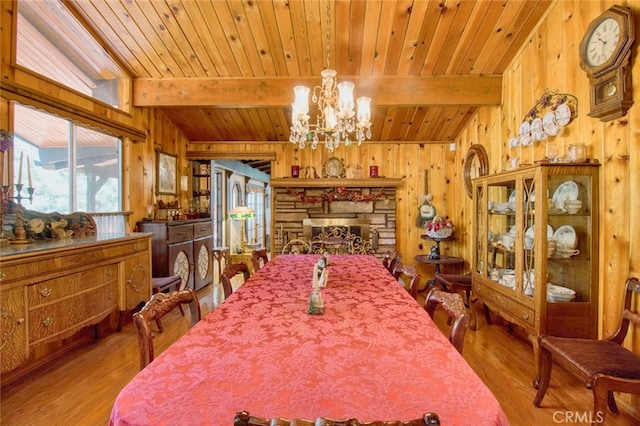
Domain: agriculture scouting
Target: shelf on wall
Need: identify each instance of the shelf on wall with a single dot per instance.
(337, 182)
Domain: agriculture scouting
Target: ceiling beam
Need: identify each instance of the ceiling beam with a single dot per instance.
(392, 91)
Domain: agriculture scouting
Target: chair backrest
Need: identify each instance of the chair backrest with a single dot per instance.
(158, 306)
(259, 258)
(243, 418)
(230, 271)
(408, 277)
(632, 286)
(296, 246)
(453, 305)
(391, 259)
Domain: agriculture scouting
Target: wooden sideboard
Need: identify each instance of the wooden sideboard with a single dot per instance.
(51, 289)
(182, 248)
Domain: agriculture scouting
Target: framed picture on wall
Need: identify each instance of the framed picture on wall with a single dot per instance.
(167, 174)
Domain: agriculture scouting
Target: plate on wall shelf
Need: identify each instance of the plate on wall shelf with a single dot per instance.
(536, 125)
(525, 129)
(567, 190)
(563, 114)
(566, 235)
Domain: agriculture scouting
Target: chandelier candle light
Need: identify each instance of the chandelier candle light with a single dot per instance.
(336, 117)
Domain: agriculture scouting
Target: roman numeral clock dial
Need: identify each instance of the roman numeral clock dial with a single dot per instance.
(605, 55)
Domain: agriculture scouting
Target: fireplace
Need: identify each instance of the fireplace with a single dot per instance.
(366, 207)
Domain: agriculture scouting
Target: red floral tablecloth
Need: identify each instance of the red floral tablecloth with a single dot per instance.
(374, 354)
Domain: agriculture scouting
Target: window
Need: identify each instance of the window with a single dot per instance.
(255, 228)
(52, 43)
(72, 168)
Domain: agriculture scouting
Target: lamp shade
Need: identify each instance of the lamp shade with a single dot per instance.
(241, 213)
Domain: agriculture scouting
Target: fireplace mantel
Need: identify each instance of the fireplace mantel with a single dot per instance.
(379, 182)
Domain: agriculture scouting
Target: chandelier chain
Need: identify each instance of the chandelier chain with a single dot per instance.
(328, 34)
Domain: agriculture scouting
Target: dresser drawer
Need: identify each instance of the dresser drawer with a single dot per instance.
(52, 290)
(60, 319)
(203, 229)
(180, 233)
(507, 307)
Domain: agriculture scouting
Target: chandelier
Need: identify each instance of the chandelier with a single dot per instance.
(336, 119)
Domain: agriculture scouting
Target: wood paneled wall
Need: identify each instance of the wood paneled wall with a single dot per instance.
(549, 60)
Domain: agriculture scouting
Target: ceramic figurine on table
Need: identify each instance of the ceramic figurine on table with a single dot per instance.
(320, 277)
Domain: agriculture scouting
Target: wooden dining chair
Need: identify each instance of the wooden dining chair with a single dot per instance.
(296, 246)
(158, 306)
(408, 277)
(229, 272)
(243, 418)
(454, 283)
(391, 259)
(453, 305)
(259, 258)
(604, 365)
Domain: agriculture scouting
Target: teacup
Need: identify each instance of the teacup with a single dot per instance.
(567, 252)
(509, 280)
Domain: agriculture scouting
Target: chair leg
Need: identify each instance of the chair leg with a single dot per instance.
(601, 399)
(545, 376)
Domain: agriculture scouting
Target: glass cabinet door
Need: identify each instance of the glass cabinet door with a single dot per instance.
(502, 233)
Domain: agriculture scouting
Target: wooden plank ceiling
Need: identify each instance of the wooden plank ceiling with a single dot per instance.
(223, 70)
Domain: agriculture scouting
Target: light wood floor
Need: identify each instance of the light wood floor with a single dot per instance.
(79, 389)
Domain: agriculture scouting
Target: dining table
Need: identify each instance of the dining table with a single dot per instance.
(373, 354)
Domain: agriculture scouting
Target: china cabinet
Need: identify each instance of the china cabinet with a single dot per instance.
(201, 187)
(535, 254)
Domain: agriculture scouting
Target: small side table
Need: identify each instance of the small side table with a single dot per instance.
(442, 260)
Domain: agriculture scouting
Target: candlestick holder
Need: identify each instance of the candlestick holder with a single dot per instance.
(20, 232)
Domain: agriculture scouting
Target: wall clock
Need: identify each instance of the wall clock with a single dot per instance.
(476, 164)
(605, 55)
(334, 168)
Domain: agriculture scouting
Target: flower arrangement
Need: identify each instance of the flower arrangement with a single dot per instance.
(339, 193)
(439, 227)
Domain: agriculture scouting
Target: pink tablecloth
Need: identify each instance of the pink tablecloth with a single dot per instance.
(374, 355)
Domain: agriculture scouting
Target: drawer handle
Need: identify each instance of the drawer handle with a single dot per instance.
(47, 321)
(2, 275)
(135, 247)
(111, 296)
(110, 272)
(525, 316)
(180, 233)
(45, 292)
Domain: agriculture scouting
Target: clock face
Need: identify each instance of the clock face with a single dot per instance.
(181, 268)
(602, 42)
(203, 262)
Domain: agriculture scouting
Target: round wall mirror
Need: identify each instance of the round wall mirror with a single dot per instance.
(476, 164)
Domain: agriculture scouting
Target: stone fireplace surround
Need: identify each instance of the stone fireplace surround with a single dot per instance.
(295, 200)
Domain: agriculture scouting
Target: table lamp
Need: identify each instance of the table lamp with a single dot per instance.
(241, 213)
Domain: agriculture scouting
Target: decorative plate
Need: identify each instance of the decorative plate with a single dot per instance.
(566, 191)
(530, 232)
(536, 125)
(563, 114)
(525, 129)
(334, 168)
(566, 235)
(549, 124)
